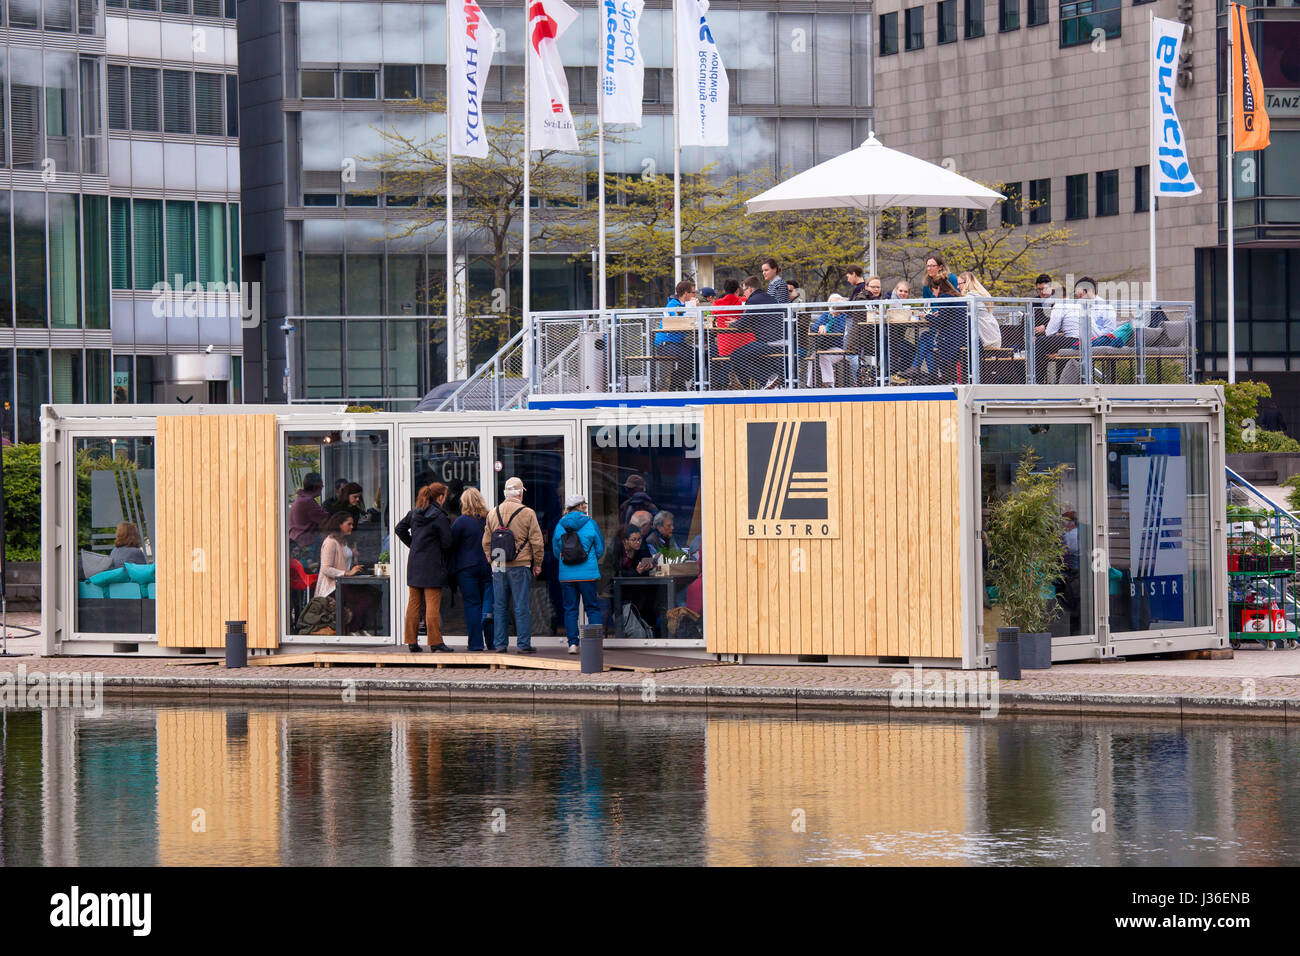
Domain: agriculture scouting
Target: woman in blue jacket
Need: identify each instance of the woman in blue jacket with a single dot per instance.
(579, 578)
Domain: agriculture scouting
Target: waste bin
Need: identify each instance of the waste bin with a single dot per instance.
(236, 644)
(591, 648)
(591, 357)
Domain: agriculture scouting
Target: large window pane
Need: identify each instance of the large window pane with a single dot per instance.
(148, 244)
(99, 376)
(212, 242)
(323, 284)
(628, 477)
(25, 85)
(323, 362)
(1001, 448)
(180, 243)
(65, 262)
(365, 359)
(58, 15)
(33, 392)
(327, 538)
(232, 104)
(29, 256)
(120, 211)
(144, 100)
(61, 121)
(234, 242)
(178, 113)
(365, 286)
(207, 104)
(25, 13)
(95, 211)
(118, 101)
(403, 360)
(115, 533)
(93, 151)
(1159, 526)
(65, 376)
(7, 435)
(6, 269)
(4, 102)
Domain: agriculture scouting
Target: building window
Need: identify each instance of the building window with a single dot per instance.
(208, 88)
(914, 21)
(1008, 15)
(1037, 13)
(976, 220)
(947, 21)
(1040, 201)
(888, 33)
(360, 85)
(1108, 193)
(360, 199)
(1082, 18)
(320, 199)
(147, 247)
(180, 243)
(1011, 212)
(1141, 188)
(916, 228)
(319, 85)
(1076, 196)
(120, 230)
(144, 100)
(948, 222)
(974, 19)
(401, 82)
(118, 102)
(178, 111)
(232, 104)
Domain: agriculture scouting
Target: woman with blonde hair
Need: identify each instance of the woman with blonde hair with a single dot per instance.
(990, 331)
(469, 566)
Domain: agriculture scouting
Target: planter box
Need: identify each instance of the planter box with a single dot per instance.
(1282, 562)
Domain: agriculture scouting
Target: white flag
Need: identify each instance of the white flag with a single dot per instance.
(702, 87)
(551, 122)
(1169, 165)
(622, 78)
(472, 43)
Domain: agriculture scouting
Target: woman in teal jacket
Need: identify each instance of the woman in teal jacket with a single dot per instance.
(579, 580)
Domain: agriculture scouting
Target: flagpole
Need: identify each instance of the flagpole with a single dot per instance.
(452, 349)
(600, 174)
(528, 236)
(1232, 189)
(677, 161)
(1151, 160)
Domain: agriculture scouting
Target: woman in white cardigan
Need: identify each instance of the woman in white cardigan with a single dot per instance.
(335, 553)
(989, 330)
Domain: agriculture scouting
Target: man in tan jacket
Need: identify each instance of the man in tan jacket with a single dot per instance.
(511, 580)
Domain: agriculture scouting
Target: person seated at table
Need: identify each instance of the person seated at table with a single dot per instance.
(751, 362)
(1045, 294)
(629, 556)
(727, 342)
(833, 322)
(989, 330)
(306, 515)
(126, 546)
(902, 290)
(707, 295)
(673, 345)
(1069, 318)
(337, 561)
(349, 501)
(643, 521)
(661, 535)
(946, 335)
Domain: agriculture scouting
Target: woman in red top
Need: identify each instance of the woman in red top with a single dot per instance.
(728, 342)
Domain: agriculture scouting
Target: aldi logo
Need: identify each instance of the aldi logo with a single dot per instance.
(790, 487)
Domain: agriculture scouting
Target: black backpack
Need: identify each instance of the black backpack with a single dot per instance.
(503, 540)
(571, 549)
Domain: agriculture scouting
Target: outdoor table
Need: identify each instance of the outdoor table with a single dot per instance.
(381, 581)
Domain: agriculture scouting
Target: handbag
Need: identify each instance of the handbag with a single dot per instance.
(634, 626)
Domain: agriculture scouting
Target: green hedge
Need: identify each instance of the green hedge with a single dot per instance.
(22, 493)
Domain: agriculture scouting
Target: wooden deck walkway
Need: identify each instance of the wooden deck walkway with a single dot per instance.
(549, 659)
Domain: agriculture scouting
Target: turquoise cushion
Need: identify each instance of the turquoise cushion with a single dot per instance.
(139, 573)
(1125, 332)
(113, 576)
(87, 590)
(125, 589)
(151, 591)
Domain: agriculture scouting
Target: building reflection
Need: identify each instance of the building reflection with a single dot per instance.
(332, 786)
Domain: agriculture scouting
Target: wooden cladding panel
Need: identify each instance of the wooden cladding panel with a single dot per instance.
(218, 529)
(889, 585)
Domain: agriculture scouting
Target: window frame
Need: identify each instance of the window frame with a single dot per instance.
(890, 20)
(946, 9)
(1041, 7)
(1107, 188)
(917, 34)
(1071, 15)
(1008, 15)
(1076, 198)
(968, 21)
(1040, 198)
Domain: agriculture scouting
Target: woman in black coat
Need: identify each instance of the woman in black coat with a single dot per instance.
(427, 532)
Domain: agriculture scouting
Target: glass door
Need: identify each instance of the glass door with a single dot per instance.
(544, 458)
(452, 456)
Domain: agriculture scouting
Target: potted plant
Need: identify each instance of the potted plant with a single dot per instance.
(382, 566)
(1027, 556)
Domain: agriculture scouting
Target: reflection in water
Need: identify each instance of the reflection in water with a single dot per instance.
(515, 785)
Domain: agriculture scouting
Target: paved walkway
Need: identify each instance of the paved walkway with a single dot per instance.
(1255, 683)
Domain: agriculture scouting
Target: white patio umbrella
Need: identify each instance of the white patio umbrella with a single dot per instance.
(872, 178)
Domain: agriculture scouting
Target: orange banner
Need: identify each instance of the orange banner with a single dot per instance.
(1249, 121)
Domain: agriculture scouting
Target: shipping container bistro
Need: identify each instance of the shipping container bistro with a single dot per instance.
(845, 530)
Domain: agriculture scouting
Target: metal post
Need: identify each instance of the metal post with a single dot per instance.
(973, 340)
(677, 160)
(1232, 191)
(452, 350)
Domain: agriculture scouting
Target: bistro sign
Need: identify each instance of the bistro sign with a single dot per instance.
(790, 485)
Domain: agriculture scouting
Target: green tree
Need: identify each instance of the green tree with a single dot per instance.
(1241, 434)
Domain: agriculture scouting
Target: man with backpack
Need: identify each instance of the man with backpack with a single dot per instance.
(579, 545)
(513, 543)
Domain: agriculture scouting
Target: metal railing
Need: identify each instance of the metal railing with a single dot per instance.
(1281, 529)
(956, 341)
(499, 383)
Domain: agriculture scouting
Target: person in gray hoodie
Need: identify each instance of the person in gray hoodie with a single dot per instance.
(579, 558)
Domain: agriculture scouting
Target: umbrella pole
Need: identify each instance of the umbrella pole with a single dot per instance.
(871, 242)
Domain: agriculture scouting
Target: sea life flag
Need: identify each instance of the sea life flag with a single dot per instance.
(702, 86)
(472, 43)
(550, 120)
(622, 73)
(1169, 163)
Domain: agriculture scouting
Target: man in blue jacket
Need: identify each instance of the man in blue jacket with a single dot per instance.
(579, 545)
